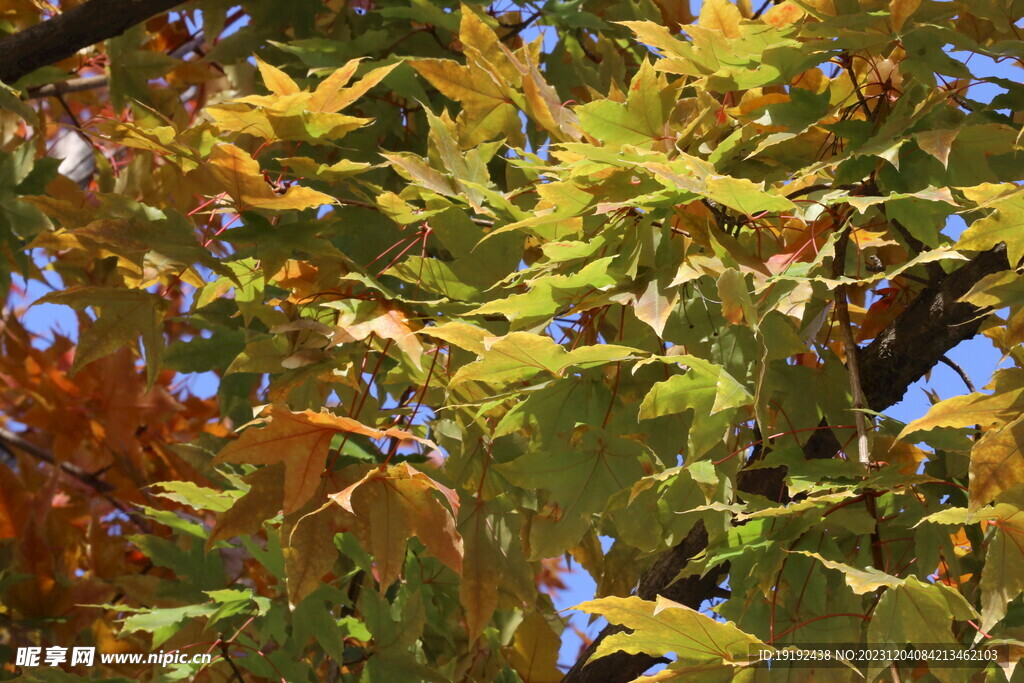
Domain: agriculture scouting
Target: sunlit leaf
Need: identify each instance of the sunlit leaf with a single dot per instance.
(238, 174)
(663, 626)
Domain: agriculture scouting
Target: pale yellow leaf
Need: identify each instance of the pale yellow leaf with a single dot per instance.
(277, 81)
(720, 15)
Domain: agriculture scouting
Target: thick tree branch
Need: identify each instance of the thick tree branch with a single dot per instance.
(908, 348)
(932, 325)
(918, 339)
(68, 32)
(659, 579)
(92, 82)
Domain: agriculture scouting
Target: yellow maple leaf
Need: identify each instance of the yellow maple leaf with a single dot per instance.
(239, 175)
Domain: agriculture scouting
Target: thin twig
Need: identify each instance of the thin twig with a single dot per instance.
(355, 586)
(76, 123)
(859, 400)
(516, 29)
(92, 82)
(484, 222)
(39, 453)
(848, 65)
(850, 346)
(227, 658)
(967, 381)
(960, 371)
(763, 7)
(9, 438)
(68, 86)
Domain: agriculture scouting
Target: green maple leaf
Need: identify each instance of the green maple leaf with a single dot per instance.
(122, 316)
(579, 474)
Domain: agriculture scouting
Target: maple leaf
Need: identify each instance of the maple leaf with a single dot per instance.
(580, 475)
(238, 174)
(331, 96)
(482, 558)
(900, 11)
(720, 15)
(310, 552)
(394, 504)
(997, 463)
(276, 80)
(521, 355)
(487, 111)
(1002, 225)
(606, 274)
(976, 408)
(664, 627)
(1002, 578)
(918, 612)
(300, 440)
(535, 650)
(358, 321)
(122, 316)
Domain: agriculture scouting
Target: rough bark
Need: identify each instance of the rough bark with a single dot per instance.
(918, 339)
(65, 34)
(908, 348)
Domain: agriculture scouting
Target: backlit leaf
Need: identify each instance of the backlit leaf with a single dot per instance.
(917, 612)
(997, 463)
(1002, 578)
(1000, 226)
(277, 81)
(663, 626)
(900, 10)
(535, 650)
(720, 15)
(301, 441)
(396, 503)
(122, 315)
(977, 408)
(238, 174)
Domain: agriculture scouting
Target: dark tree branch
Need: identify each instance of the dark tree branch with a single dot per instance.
(69, 86)
(659, 579)
(515, 29)
(918, 339)
(226, 654)
(960, 371)
(9, 439)
(908, 348)
(847, 62)
(68, 32)
(764, 6)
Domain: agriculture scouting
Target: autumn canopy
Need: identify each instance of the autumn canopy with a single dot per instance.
(336, 332)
